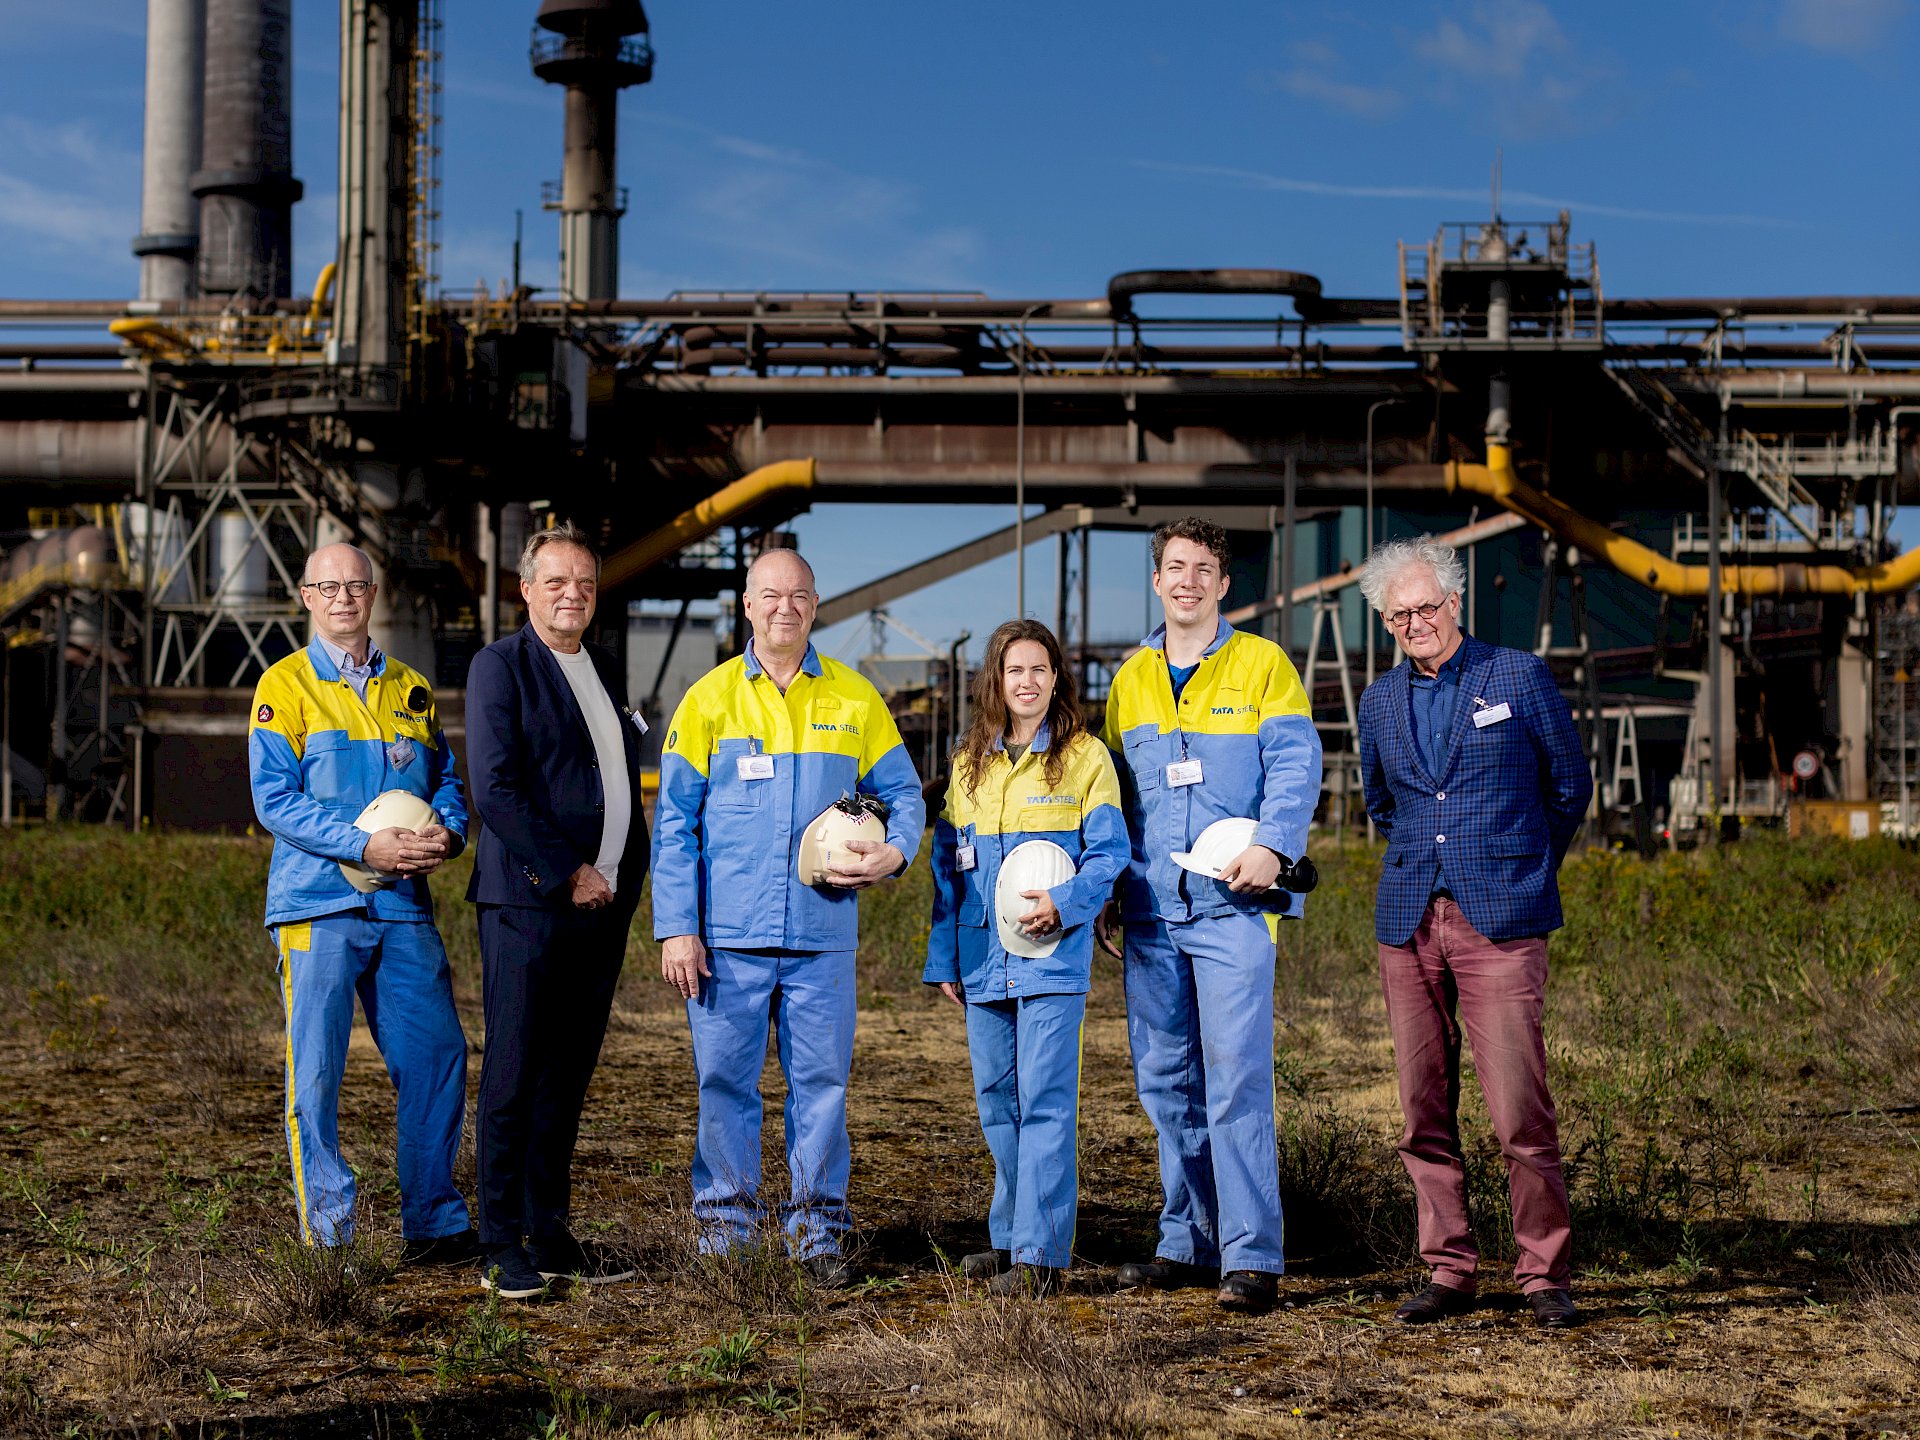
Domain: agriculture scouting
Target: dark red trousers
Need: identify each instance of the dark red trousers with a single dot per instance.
(1449, 979)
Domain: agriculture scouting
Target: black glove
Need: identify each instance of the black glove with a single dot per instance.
(1298, 876)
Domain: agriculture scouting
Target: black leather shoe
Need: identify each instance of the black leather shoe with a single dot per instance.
(1160, 1273)
(1249, 1292)
(1435, 1302)
(985, 1264)
(828, 1272)
(1553, 1309)
(1034, 1280)
(461, 1249)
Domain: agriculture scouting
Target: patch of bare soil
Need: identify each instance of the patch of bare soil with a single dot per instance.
(147, 1284)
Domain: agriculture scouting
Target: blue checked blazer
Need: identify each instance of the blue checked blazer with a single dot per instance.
(1497, 820)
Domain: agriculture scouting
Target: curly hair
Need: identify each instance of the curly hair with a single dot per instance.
(989, 723)
(1203, 533)
(1391, 558)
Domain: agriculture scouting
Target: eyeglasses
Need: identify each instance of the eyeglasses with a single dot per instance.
(331, 588)
(1400, 619)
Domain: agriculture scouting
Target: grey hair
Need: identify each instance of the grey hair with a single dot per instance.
(768, 554)
(1391, 557)
(565, 533)
(364, 558)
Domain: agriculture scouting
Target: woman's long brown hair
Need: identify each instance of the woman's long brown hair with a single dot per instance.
(990, 717)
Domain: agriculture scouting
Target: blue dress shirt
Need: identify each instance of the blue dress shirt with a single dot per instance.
(355, 675)
(1435, 701)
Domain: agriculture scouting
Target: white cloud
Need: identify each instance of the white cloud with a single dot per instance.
(1501, 39)
(1257, 180)
(1511, 60)
(1847, 27)
(66, 191)
(1315, 78)
(827, 225)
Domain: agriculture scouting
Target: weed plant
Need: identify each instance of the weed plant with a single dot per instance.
(284, 1283)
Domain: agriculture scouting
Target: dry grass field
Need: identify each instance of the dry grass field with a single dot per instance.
(1736, 1054)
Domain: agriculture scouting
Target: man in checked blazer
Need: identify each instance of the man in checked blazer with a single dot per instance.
(1474, 773)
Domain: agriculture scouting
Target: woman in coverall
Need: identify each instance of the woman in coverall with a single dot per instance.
(1026, 770)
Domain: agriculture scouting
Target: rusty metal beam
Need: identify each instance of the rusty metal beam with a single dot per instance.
(962, 558)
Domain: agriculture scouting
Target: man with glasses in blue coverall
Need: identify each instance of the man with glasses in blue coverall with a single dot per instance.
(335, 725)
(1208, 724)
(757, 750)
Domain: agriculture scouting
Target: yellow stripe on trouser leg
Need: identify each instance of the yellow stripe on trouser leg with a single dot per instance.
(1079, 1103)
(294, 938)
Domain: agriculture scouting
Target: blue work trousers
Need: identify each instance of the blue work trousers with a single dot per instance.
(1026, 1081)
(1200, 1025)
(808, 999)
(399, 970)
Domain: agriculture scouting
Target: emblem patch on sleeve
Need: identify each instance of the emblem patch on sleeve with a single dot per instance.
(418, 699)
(263, 715)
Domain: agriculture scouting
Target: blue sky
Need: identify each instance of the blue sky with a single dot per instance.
(1708, 146)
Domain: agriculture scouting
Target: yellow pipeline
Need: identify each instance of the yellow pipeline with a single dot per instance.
(322, 290)
(723, 507)
(153, 336)
(1497, 480)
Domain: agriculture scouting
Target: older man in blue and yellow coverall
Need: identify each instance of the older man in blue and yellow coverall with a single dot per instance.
(335, 725)
(757, 749)
(1209, 723)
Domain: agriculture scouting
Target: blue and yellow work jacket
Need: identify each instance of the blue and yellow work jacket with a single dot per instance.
(318, 755)
(1013, 804)
(1245, 717)
(726, 832)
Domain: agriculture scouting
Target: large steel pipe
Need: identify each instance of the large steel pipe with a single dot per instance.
(245, 181)
(169, 238)
(89, 452)
(1296, 284)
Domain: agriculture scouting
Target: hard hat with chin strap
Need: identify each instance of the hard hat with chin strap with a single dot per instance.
(824, 843)
(1224, 841)
(393, 808)
(1030, 865)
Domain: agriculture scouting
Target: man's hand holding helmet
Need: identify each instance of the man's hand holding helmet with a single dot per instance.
(1254, 869)
(878, 860)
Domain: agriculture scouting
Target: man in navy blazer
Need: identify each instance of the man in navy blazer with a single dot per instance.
(554, 759)
(1474, 774)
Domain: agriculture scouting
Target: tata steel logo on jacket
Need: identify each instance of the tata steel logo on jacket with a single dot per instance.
(845, 727)
(1232, 710)
(1051, 800)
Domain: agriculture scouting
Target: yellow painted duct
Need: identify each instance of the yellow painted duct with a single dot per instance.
(1498, 481)
(725, 506)
(153, 336)
(322, 292)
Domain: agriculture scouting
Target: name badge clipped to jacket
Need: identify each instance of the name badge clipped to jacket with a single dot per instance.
(1183, 772)
(1485, 714)
(964, 858)
(400, 753)
(754, 767)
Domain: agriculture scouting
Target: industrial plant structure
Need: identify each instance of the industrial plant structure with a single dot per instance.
(1684, 503)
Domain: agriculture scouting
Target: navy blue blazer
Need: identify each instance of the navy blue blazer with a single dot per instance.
(534, 778)
(1497, 820)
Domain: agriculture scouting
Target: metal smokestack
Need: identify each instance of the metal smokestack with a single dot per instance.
(245, 182)
(597, 49)
(169, 237)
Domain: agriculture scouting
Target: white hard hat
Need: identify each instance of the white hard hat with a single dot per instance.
(390, 809)
(823, 844)
(1030, 865)
(1219, 845)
